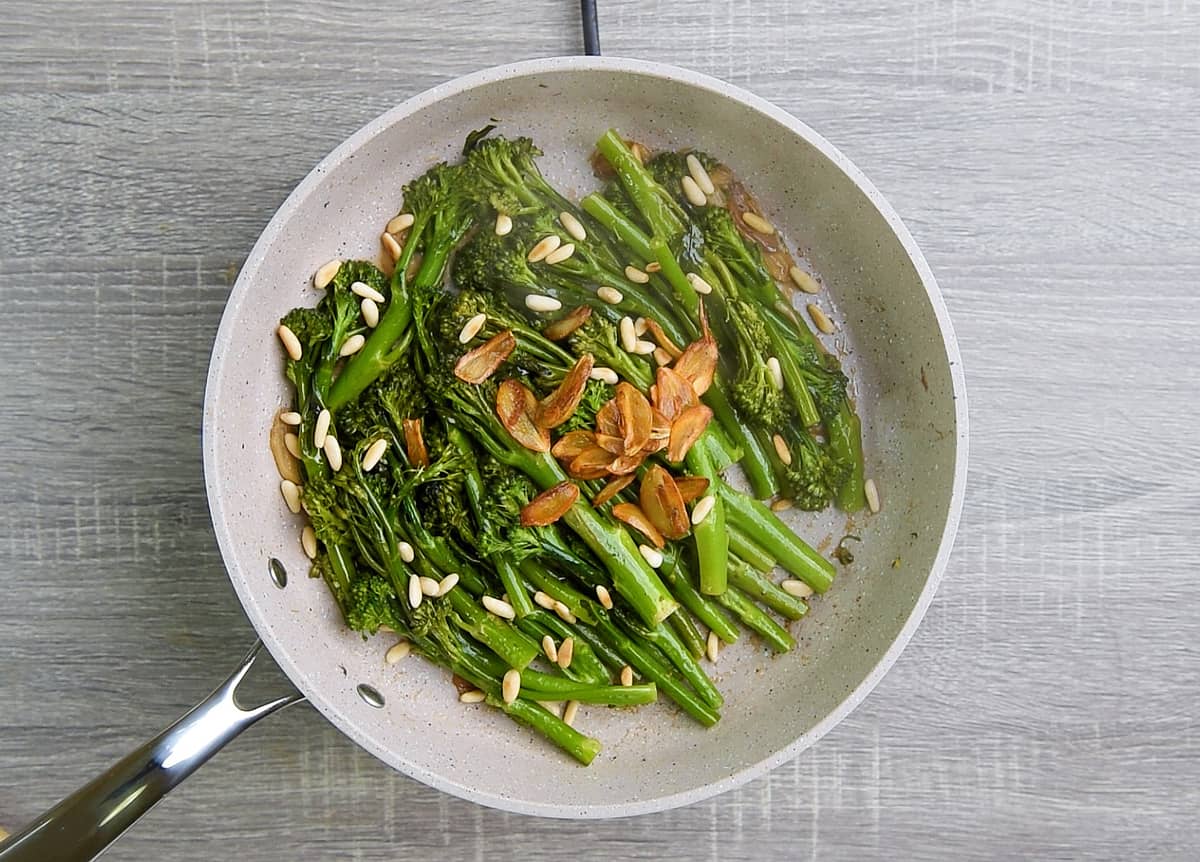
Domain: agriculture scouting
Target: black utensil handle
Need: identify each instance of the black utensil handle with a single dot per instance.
(591, 28)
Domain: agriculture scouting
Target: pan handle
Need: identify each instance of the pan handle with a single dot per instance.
(95, 815)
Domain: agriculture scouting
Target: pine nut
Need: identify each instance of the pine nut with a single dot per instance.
(321, 430)
(501, 609)
(370, 312)
(308, 541)
(504, 225)
(758, 224)
(640, 326)
(566, 651)
(799, 589)
(564, 613)
(290, 418)
(290, 343)
(472, 696)
(569, 713)
(400, 223)
(333, 453)
(699, 284)
(700, 175)
(803, 280)
(629, 337)
(652, 267)
(636, 275)
(775, 371)
(394, 249)
(471, 328)
(406, 552)
(653, 556)
(820, 319)
(692, 192)
(702, 508)
(712, 646)
(398, 652)
(781, 505)
(661, 357)
(292, 443)
(604, 375)
(604, 598)
(542, 600)
(430, 587)
(550, 649)
(352, 345)
(872, 493)
(563, 252)
(644, 348)
(573, 226)
(374, 454)
(448, 583)
(544, 247)
(326, 273)
(610, 295)
(361, 288)
(627, 676)
(551, 706)
(782, 450)
(511, 687)
(291, 495)
(414, 592)
(537, 302)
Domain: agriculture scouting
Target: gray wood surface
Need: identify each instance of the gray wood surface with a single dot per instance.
(1044, 155)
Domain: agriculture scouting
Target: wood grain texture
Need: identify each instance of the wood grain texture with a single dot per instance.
(1042, 153)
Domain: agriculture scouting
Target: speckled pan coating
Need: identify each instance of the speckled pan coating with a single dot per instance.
(903, 358)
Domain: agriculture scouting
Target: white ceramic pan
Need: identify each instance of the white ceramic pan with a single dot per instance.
(898, 347)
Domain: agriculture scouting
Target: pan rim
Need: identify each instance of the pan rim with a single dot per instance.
(512, 71)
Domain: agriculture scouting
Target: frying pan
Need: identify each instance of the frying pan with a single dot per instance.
(897, 344)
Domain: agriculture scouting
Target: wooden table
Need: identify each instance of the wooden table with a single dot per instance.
(1043, 154)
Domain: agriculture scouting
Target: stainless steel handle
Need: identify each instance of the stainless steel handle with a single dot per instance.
(95, 815)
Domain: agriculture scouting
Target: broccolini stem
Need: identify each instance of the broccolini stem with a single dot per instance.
(559, 590)
(712, 542)
(758, 587)
(688, 634)
(664, 638)
(702, 606)
(616, 221)
(757, 619)
(517, 649)
(761, 525)
(845, 440)
(747, 549)
(657, 208)
(604, 695)
(754, 461)
(584, 638)
(585, 667)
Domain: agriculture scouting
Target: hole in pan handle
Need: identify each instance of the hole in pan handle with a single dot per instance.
(91, 818)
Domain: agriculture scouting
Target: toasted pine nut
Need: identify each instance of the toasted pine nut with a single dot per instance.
(291, 495)
(605, 375)
(712, 645)
(549, 648)
(699, 284)
(400, 223)
(370, 312)
(308, 541)
(700, 175)
(560, 254)
(374, 454)
(333, 453)
(290, 418)
(448, 583)
(572, 226)
(392, 245)
(570, 711)
(501, 609)
(776, 372)
(361, 288)
(471, 328)
(702, 508)
(414, 592)
(429, 587)
(292, 443)
(543, 247)
(604, 598)
(564, 613)
(799, 589)
(628, 335)
(406, 552)
(398, 652)
(652, 267)
(566, 650)
(610, 295)
(542, 600)
(692, 192)
(472, 696)
(803, 280)
(504, 225)
(636, 275)
(352, 345)
(511, 687)
(782, 450)
(627, 676)
(872, 494)
(758, 224)
(640, 326)
(644, 348)
(653, 556)
(781, 505)
(326, 273)
(290, 343)
(321, 430)
(820, 319)
(539, 303)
